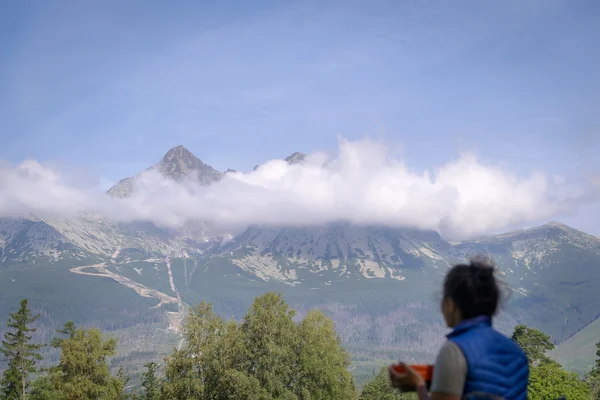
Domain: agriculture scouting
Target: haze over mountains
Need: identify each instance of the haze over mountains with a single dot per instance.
(376, 281)
(363, 183)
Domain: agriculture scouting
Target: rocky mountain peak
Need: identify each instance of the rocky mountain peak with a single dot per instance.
(179, 154)
(295, 158)
(178, 164)
(551, 229)
(557, 225)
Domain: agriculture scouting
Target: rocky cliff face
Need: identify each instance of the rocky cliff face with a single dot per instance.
(178, 164)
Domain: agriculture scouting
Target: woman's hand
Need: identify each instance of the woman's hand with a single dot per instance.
(408, 381)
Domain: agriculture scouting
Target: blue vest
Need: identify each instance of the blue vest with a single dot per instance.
(495, 364)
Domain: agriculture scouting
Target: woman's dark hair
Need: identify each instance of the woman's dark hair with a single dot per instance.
(474, 288)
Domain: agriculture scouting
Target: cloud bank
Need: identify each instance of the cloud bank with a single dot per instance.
(362, 183)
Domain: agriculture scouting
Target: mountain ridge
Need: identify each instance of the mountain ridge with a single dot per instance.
(102, 237)
(374, 281)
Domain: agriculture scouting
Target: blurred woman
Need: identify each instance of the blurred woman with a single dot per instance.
(476, 361)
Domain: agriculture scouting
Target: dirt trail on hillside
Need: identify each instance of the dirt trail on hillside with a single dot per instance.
(175, 317)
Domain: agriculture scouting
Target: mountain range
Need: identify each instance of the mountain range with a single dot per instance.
(378, 283)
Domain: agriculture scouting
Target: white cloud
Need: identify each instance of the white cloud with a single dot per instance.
(362, 183)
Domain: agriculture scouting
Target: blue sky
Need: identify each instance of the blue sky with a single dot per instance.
(110, 85)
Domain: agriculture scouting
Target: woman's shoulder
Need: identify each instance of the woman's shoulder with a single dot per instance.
(452, 348)
(450, 370)
(451, 353)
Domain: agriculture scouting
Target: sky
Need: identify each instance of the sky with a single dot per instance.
(102, 89)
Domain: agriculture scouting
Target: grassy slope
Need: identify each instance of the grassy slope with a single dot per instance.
(578, 353)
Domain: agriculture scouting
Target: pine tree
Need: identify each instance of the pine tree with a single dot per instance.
(48, 386)
(593, 378)
(21, 354)
(150, 382)
(120, 383)
(597, 367)
(42, 389)
(68, 330)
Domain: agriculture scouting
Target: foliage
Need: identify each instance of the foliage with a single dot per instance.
(42, 389)
(21, 354)
(268, 356)
(547, 379)
(379, 388)
(318, 343)
(593, 378)
(83, 371)
(150, 382)
(120, 382)
(550, 381)
(597, 367)
(534, 343)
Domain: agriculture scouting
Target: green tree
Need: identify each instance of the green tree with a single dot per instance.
(547, 379)
(593, 377)
(267, 356)
(596, 369)
(83, 371)
(120, 382)
(379, 388)
(68, 330)
(323, 362)
(188, 370)
(150, 382)
(534, 343)
(235, 384)
(47, 387)
(268, 333)
(594, 382)
(20, 353)
(43, 389)
(550, 381)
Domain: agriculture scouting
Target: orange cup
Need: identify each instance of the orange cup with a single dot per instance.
(426, 371)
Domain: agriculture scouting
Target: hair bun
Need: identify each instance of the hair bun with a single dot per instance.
(481, 261)
(483, 269)
(484, 275)
(473, 287)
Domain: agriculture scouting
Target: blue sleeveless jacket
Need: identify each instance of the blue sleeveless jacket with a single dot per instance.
(495, 364)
